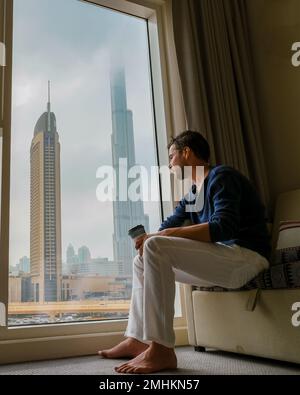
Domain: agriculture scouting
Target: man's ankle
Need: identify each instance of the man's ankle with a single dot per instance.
(160, 347)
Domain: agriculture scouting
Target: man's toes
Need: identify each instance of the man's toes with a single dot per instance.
(130, 369)
(121, 368)
(135, 370)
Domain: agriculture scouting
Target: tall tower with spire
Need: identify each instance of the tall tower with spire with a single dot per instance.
(45, 209)
(127, 214)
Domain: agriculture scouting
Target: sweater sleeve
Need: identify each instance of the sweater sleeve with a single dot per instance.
(225, 193)
(178, 217)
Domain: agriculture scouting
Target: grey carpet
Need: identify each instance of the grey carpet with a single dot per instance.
(189, 363)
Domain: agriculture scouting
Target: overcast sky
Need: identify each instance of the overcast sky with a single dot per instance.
(70, 43)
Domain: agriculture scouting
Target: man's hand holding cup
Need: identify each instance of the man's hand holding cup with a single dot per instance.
(139, 236)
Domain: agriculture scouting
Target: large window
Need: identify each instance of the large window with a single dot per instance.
(82, 103)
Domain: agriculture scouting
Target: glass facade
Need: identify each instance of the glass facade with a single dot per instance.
(100, 112)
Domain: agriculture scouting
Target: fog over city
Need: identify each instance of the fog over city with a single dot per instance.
(75, 54)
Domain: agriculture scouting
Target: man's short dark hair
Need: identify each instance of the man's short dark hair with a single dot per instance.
(195, 141)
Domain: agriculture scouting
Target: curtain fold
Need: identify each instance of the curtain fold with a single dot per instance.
(214, 58)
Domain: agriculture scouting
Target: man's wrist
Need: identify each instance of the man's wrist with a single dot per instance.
(169, 232)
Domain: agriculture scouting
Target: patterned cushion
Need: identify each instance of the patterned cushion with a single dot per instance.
(285, 273)
(283, 276)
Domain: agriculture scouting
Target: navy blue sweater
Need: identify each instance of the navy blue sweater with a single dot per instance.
(231, 207)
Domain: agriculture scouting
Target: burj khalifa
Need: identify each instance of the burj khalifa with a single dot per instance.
(127, 214)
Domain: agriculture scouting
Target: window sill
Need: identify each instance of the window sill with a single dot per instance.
(46, 348)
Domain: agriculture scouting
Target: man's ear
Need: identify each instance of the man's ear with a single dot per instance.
(186, 152)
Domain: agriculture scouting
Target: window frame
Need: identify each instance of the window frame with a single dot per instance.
(63, 340)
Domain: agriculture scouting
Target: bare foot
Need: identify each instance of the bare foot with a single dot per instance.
(129, 348)
(155, 359)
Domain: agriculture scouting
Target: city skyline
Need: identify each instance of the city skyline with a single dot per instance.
(77, 54)
(79, 68)
(64, 256)
(45, 198)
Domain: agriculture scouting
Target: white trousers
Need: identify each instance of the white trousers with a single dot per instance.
(170, 259)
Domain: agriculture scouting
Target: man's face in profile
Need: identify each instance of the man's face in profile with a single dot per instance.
(176, 161)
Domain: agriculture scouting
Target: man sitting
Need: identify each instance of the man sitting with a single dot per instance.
(227, 246)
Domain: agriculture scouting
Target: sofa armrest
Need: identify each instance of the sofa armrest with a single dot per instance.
(189, 308)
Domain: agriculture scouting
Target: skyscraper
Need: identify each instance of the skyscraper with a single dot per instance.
(127, 214)
(45, 209)
(24, 265)
(70, 254)
(84, 255)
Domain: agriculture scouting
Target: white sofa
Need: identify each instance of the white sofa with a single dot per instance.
(257, 322)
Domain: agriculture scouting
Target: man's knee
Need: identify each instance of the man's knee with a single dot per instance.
(138, 261)
(154, 243)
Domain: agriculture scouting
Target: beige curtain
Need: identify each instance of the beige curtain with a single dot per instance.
(213, 51)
